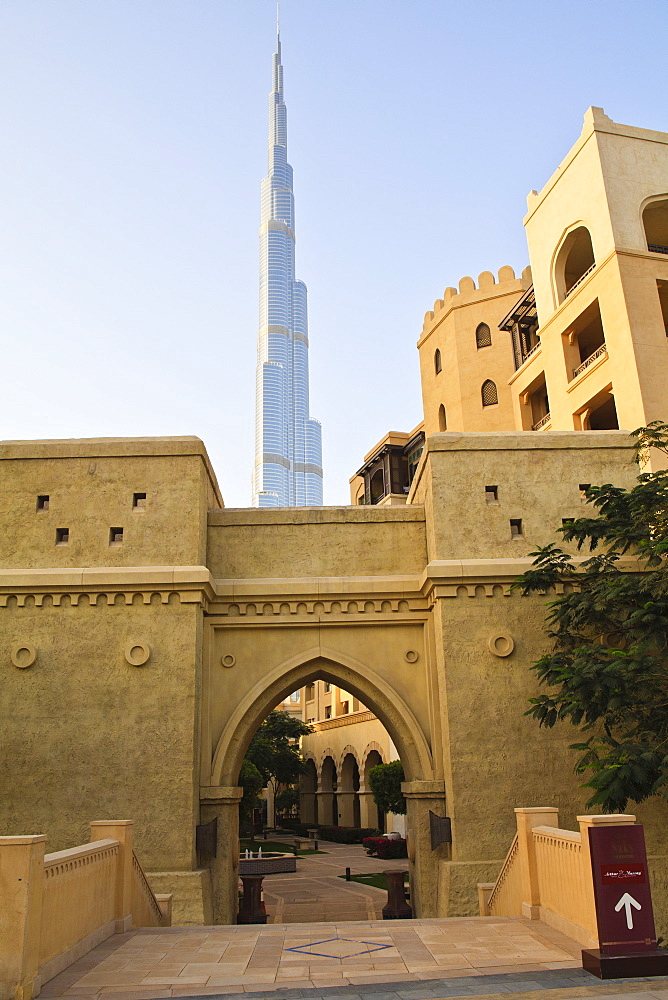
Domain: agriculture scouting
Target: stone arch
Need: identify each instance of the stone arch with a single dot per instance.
(348, 749)
(348, 798)
(573, 258)
(373, 754)
(654, 215)
(308, 788)
(337, 668)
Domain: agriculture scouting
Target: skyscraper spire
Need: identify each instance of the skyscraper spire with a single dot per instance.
(288, 450)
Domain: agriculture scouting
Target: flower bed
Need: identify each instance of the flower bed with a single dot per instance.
(382, 847)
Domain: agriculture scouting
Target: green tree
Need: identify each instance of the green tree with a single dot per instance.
(287, 799)
(385, 783)
(274, 750)
(607, 671)
(252, 783)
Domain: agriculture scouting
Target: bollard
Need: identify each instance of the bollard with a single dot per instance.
(396, 907)
(251, 911)
(347, 874)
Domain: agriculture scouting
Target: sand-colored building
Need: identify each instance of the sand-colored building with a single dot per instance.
(579, 341)
(347, 741)
(146, 630)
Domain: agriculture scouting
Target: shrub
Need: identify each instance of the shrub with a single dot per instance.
(385, 783)
(344, 834)
(383, 848)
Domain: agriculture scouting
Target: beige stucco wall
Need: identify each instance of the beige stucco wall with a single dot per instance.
(91, 484)
(395, 605)
(86, 735)
(315, 542)
(537, 476)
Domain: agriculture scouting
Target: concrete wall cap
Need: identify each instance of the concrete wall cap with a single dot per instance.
(527, 441)
(82, 851)
(36, 838)
(112, 822)
(607, 819)
(536, 809)
(363, 514)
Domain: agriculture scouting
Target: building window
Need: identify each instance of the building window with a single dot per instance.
(328, 687)
(489, 393)
(62, 536)
(516, 527)
(565, 521)
(438, 365)
(492, 494)
(583, 487)
(442, 419)
(377, 486)
(138, 500)
(294, 696)
(115, 536)
(483, 336)
(328, 712)
(43, 502)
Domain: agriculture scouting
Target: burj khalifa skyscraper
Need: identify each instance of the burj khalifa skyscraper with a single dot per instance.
(288, 448)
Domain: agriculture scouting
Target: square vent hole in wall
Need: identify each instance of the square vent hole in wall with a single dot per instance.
(62, 536)
(583, 487)
(139, 501)
(492, 494)
(43, 502)
(115, 536)
(516, 527)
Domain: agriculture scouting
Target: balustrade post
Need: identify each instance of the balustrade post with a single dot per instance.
(121, 830)
(588, 903)
(21, 887)
(526, 820)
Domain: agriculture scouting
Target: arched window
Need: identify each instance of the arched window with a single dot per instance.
(437, 361)
(377, 486)
(483, 336)
(442, 422)
(655, 221)
(489, 393)
(574, 260)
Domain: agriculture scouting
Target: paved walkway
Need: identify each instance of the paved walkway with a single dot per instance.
(350, 956)
(316, 893)
(186, 961)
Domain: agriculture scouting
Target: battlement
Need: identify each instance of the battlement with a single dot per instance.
(487, 287)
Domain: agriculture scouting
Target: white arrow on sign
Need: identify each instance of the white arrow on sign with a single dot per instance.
(628, 901)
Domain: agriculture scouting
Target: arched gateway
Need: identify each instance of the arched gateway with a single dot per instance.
(136, 671)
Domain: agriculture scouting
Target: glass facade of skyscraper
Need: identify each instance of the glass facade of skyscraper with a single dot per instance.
(288, 449)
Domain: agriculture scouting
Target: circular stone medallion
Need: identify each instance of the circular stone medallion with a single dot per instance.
(137, 653)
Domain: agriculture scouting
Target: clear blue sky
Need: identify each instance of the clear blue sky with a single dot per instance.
(132, 145)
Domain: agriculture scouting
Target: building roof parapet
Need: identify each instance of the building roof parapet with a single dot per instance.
(130, 447)
(254, 516)
(488, 287)
(595, 120)
(524, 441)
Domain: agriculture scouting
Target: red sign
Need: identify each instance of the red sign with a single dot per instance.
(621, 889)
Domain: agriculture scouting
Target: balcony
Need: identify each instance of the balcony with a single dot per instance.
(543, 422)
(577, 283)
(602, 351)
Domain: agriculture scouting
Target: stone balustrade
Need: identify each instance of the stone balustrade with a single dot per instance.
(54, 908)
(546, 874)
